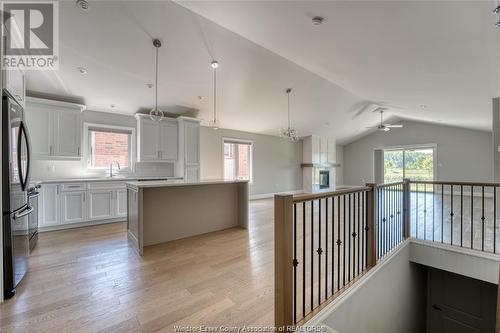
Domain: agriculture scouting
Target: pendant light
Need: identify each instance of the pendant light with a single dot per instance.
(214, 123)
(156, 114)
(289, 132)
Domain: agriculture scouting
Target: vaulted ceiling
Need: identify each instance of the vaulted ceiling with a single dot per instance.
(433, 61)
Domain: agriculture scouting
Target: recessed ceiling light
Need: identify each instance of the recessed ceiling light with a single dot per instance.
(149, 85)
(423, 106)
(82, 70)
(83, 5)
(201, 98)
(112, 106)
(317, 20)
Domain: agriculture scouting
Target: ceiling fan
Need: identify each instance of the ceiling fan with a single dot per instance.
(383, 127)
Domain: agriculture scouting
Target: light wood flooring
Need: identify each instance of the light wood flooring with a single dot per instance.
(91, 280)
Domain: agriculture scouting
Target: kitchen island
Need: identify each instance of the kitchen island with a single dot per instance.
(162, 211)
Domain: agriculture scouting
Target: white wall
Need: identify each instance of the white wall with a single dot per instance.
(462, 154)
(276, 161)
(392, 300)
(50, 169)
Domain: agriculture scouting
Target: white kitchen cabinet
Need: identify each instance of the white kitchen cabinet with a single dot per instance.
(192, 143)
(14, 83)
(49, 205)
(121, 203)
(169, 138)
(149, 144)
(73, 206)
(157, 141)
(318, 150)
(68, 126)
(55, 128)
(192, 174)
(100, 204)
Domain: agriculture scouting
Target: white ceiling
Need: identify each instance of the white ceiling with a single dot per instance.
(441, 54)
(405, 53)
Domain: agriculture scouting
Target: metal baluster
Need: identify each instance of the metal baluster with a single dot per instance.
(354, 237)
(326, 248)
(451, 214)
(349, 217)
(312, 254)
(295, 263)
(333, 245)
(359, 232)
(433, 212)
(344, 240)
(425, 211)
(319, 251)
(482, 218)
(461, 215)
(442, 213)
(416, 209)
(494, 219)
(472, 217)
(339, 242)
(304, 259)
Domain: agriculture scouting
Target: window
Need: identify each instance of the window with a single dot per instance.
(413, 163)
(237, 159)
(109, 144)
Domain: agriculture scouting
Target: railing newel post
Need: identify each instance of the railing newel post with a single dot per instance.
(406, 208)
(370, 221)
(283, 260)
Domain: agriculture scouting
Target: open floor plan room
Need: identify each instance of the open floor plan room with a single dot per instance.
(250, 166)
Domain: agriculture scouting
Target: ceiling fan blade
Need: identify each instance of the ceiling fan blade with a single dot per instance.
(394, 126)
(372, 127)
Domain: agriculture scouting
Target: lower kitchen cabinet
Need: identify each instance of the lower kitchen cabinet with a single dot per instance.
(73, 207)
(81, 203)
(49, 205)
(100, 205)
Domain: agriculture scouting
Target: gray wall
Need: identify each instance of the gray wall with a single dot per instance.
(339, 172)
(393, 300)
(462, 154)
(276, 161)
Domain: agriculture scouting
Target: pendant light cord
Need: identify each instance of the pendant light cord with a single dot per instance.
(215, 95)
(156, 81)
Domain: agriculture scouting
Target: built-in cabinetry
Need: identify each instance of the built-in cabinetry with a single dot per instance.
(83, 202)
(189, 149)
(157, 141)
(55, 128)
(319, 150)
(14, 83)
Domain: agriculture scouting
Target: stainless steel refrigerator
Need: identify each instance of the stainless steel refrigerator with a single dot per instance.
(15, 182)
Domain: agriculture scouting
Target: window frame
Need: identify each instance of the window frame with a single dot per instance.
(251, 158)
(403, 148)
(88, 142)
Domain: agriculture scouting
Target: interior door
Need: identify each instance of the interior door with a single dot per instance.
(459, 304)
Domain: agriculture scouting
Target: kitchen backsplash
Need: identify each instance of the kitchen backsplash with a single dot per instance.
(43, 169)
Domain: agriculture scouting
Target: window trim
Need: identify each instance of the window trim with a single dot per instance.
(243, 141)
(87, 143)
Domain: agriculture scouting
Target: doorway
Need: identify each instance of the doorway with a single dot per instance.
(415, 163)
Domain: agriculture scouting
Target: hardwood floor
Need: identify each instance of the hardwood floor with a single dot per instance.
(91, 280)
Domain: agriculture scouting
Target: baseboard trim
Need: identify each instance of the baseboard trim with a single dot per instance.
(271, 195)
(79, 225)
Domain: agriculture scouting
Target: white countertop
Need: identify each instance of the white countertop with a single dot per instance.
(99, 179)
(173, 182)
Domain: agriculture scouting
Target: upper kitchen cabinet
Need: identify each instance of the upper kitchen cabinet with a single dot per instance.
(14, 83)
(55, 128)
(189, 149)
(157, 141)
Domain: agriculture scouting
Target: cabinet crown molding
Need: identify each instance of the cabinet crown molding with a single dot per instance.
(36, 100)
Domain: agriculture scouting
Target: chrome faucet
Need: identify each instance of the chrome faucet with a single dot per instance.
(111, 168)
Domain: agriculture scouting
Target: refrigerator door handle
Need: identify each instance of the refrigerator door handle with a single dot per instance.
(23, 213)
(23, 132)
